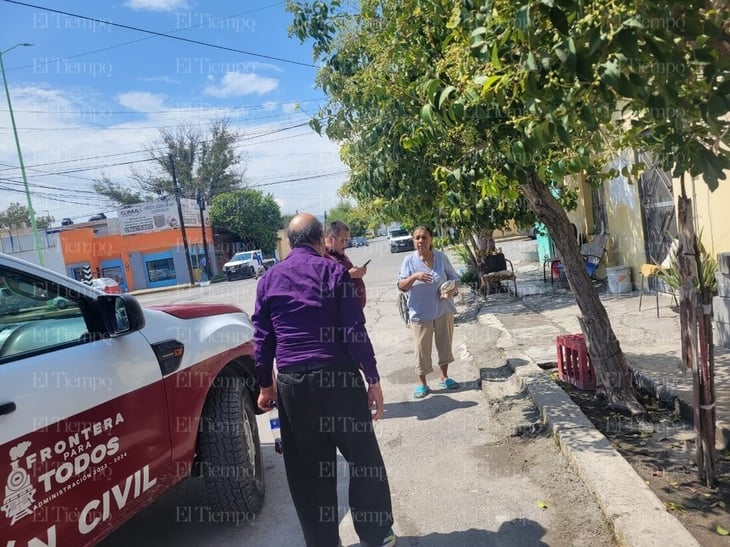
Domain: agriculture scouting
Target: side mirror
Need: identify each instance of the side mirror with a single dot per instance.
(121, 314)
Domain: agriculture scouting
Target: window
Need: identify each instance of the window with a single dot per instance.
(161, 270)
(36, 315)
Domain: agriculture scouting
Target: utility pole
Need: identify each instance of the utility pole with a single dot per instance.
(325, 220)
(176, 186)
(201, 204)
(31, 211)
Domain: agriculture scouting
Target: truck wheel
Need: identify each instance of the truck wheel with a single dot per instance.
(229, 449)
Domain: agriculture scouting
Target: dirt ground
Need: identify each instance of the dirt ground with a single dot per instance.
(662, 451)
(526, 447)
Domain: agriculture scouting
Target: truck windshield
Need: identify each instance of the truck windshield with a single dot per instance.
(399, 233)
(242, 256)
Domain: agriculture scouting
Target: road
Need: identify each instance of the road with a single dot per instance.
(459, 475)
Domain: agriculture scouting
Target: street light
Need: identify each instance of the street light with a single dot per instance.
(31, 212)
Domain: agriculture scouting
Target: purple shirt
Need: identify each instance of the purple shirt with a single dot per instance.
(306, 313)
(358, 282)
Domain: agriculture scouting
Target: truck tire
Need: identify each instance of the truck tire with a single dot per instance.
(229, 450)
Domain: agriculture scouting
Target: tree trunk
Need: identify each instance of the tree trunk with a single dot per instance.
(609, 362)
(696, 332)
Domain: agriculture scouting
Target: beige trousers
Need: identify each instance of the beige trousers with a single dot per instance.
(424, 333)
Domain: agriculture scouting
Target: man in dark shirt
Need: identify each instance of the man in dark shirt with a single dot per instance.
(307, 318)
(336, 238)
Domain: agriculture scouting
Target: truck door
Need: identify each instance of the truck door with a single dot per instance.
(84, 438)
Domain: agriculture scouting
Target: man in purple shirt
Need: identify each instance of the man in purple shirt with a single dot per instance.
(308, 319)
(336, 238)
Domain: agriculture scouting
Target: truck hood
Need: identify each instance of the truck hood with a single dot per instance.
(194, 309)
(237, 263)
(206, 330)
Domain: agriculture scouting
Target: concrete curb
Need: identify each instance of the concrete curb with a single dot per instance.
(637, 516)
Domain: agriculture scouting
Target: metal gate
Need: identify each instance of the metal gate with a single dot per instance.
(658, 212)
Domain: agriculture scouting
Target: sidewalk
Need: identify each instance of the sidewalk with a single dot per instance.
(651, 345)
(529, 326)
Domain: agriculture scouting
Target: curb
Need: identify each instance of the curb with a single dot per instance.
(637, 516)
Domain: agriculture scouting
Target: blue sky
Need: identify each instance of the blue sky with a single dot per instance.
(89, 96)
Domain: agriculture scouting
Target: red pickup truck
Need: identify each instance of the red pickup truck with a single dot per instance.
(104, 406)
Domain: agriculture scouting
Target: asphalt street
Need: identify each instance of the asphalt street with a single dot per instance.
(458, 475)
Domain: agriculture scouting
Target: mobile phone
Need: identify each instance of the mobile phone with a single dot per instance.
(366, 264)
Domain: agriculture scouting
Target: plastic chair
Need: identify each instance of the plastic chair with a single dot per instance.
(647, 272)
(592, 254)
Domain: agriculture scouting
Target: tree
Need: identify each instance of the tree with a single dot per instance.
(514, 98)
(206, 163)
(15, 216)
(390, 163)
(118, 193)
(250, 215)
(539, 92)
(345, 212)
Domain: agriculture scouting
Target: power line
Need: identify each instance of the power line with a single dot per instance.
(163, 35)
(99, 50)
(182, 109)
(136, 127)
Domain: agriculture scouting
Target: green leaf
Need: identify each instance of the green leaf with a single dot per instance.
(542, 505)
(448, 90)
(523, 18)
(495, 57)
(559, 20)
(427, 114)
(563, 134)
(518, 153)
(722, 531)
(491, 81)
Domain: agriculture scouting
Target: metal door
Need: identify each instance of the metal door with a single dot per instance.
(658, 212)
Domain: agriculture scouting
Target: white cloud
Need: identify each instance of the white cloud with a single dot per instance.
(156, 5)
(63, 126)
(141, 101)
(162, 79)
(236, 84)
(289, 108)
(270, 105)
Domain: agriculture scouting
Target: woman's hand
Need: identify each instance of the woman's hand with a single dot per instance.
(425, 277)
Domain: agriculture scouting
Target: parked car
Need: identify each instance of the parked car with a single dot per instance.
(66, 222)
(97, 216)
(106, 406)
(106, 284)
(242, 265)
(360, 241)
(400, 240)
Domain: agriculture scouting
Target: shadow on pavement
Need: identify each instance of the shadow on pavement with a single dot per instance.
(513, 533)
(430, 407)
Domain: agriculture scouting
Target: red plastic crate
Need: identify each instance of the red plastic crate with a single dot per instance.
(574, 363)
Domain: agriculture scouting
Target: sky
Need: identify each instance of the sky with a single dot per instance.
(89, 96)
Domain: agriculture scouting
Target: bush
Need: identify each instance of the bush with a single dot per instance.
(468, 277)
(670, 275)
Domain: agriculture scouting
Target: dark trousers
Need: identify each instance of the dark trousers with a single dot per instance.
(321, 411)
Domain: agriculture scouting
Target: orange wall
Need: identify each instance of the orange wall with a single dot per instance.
(80, 245)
